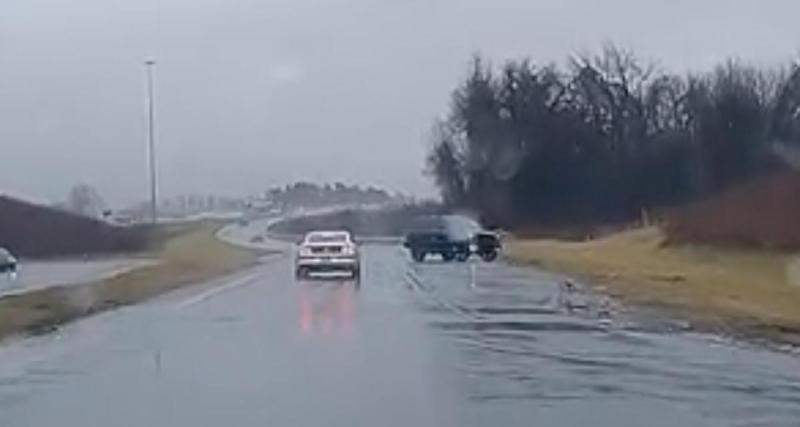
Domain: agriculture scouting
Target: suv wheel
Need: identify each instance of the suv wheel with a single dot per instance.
(489, 256)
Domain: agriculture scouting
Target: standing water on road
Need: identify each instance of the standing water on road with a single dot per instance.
(531, 355)
(434, 344)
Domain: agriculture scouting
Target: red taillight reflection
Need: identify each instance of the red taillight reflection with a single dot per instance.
(306, 313)
(327, 309)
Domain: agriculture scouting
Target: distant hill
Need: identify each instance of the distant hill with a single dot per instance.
(387, 222)
(32, 230)
(311, 195)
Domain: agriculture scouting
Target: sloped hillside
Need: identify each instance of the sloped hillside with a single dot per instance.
(32, 230)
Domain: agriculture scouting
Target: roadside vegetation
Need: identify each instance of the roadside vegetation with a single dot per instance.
(675, 191)
(722, 289)
(186, 254)
(605, 137)
(310, 195)
(761, 213)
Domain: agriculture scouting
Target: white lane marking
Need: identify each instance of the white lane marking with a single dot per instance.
(197, 299)
(415, 277)
(472, 276)
(421, 288)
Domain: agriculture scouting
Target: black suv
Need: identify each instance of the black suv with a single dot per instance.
(451, 247)
(433, 242)
(487, 245)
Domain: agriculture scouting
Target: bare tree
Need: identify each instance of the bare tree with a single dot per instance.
(607, 135)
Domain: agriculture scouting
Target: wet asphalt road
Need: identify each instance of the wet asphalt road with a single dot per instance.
(414, 345)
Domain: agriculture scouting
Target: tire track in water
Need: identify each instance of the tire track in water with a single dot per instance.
(524, 345)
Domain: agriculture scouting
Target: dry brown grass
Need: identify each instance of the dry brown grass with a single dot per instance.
(743, 289)
(762, 213)
(189, 255)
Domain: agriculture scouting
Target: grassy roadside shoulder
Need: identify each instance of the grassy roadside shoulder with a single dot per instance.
(739, 291)
(189, 254)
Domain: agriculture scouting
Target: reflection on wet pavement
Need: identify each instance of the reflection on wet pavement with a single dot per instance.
(326, 308)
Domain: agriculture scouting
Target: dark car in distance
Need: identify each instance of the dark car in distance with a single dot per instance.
(449, 246)
(436, 242)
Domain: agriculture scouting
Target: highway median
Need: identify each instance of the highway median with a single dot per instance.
(186, 254)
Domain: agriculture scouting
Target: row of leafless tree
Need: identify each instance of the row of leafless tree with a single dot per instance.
(311, 195)
(607, 135)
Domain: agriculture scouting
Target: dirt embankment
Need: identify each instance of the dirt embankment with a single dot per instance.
(36, 231)
(190, 254)
(763, 213)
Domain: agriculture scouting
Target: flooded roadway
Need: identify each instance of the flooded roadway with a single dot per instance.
(415, 345)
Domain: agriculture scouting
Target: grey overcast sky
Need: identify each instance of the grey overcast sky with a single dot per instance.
(259, 92)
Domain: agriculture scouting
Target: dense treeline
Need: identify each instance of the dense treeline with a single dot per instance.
(311, 195)
(606, 136)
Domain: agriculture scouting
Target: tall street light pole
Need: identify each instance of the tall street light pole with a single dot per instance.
(151, 139)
